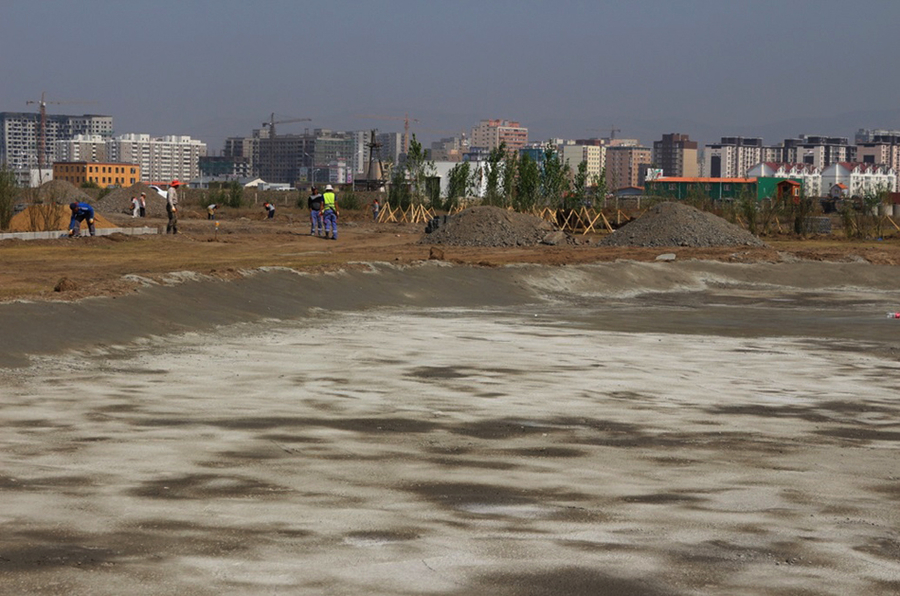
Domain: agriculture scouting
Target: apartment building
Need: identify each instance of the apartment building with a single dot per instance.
(627, 166)
(160, 158)
(676, 155)
(489, 134)
(732, 156)
(882, 149)
(816, 150)
(594, 157)
(83, 148)
(104, 175)
(20, 135)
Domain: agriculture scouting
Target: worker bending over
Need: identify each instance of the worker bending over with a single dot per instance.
(330, 212)
(81, 212)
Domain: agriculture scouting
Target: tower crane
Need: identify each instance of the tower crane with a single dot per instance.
(272, 122)
(42, 133)
(612, 132)
(406, 119)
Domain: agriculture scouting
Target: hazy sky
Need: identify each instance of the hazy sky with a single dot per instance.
(213, 69)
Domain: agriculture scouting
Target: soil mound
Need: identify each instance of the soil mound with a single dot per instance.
(60, 191)
(676, 224)
(119, 200)
(488, 226)
(47, 218)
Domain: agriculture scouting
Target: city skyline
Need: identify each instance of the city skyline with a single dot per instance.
(567, 70)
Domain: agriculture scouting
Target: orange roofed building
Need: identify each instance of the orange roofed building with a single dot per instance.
(104, 175)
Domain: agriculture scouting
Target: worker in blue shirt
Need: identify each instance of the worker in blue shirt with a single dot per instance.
(81, 212)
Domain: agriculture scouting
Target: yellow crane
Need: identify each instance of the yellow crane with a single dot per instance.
(42, 132)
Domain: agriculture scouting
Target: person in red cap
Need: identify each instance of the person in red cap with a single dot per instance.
(172, 207)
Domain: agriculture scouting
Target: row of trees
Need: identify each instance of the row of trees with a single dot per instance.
(507, 179)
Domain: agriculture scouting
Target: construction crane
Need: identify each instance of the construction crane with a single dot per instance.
(42, 133)
(612, 132)
(270, 162)
(272, 122)
(406, 119)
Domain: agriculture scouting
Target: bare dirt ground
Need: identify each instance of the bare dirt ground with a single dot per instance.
(31, 269)
(598, 424)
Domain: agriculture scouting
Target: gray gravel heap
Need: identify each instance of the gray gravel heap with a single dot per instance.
(62, 192)
(677, 224)
(490, 226)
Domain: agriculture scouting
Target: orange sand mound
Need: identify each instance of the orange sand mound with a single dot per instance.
(42, 218)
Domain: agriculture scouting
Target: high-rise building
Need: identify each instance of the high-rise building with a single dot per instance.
(20, 135)
(881, 150)
(82, 148)
(626, 166)
(818, 150)
(676, 155)
(161, 158)
(594, 157)
(732, 157)
(489, 134)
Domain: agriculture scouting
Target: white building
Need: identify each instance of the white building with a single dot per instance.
(82, 148)
(860, 179)
(161, 158)
(732, 157)
(808, 173)
(593, 155)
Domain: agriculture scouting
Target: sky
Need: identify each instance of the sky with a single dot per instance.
(213, 69)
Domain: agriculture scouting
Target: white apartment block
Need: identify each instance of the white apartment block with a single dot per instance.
(860, 179)
(808, 173)
(732, 157)
(593, 155)
(20, 135)
(82, 148)
(161, 158)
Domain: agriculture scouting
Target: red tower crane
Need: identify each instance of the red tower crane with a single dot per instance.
(42, 133)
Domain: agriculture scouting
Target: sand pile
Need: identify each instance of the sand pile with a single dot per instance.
(119, 200)
(676, 224)
(488, 226)
(46, 218)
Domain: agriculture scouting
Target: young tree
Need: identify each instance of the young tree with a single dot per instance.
(419, 169)
(579, 185)
(600, 188)
(528, 184)
(554, 176)
(457, 182)
(7, 195)
(493, 193)
(510, 171)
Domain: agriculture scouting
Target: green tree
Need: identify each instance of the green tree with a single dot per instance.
(600, 188)
(528, 184)
(554, 177)
(419, 169)
(399, 191)
(579, 185)
(493, 194)
(510, 172)
(7, 196)
(457, 183)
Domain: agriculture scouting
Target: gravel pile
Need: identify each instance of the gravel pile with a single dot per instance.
(119, 201)
(488, 226)
(62, 192)
(676, 224)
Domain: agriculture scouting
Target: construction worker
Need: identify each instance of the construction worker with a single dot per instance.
(172, 207)
(143, 204)
(211, 211)
(376, 209)
(81, 212)
(135, 206)
(330, 213)
(270, 210)
(314, 202)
